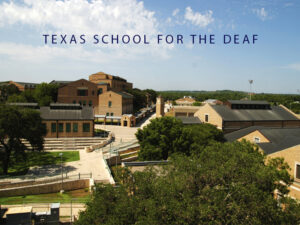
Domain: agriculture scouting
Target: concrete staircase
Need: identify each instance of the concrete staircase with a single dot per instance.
(68, 143)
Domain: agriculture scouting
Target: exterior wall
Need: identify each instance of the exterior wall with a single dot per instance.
(45, 188)
(160, 107)
(213, 117)
(186, 111)
(116, 107)
(21, 87)
(68, 93)
(128, 121)
(80, 132)
(291, 156)
(127, 105)
(251, 136)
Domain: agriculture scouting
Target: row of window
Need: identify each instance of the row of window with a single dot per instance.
(67, 127)
(83, 103)
(85, 92)
(111, 114)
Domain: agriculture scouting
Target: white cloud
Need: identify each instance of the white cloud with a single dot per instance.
(81, 16)
(261, 13)
(294, 66)
(175, 12)
(198, 19)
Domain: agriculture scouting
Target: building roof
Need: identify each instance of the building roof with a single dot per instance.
(26, 83)
(84, 113)
(125, 94)
(60, 82)
(275, 113)
(248, 102)
(188, 99)
(17, 210)
(24, 104)
(280, 138)
(189, 120)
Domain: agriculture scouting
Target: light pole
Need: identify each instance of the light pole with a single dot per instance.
(62, 175)
(250, 82)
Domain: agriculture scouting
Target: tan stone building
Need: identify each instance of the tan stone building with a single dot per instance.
(113, 103)
(275, 142)
(235, 115)
(68, 120)
(185, 101)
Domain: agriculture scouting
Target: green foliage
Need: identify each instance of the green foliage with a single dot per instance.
(197, 103)
(140, 97)
(7, 90)
(167, 135)
(224, 184)
(43, 94)
(16, 124)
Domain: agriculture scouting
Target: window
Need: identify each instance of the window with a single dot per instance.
(93, 92)
(107, 114)
(112, 114)
(53, 127)
(90, 103)
(44, 126)
(74, 102)
(206, 117)
(75, 127)
(100, 91)
(86, 127)
(82, 92)
(256, 140)
(84, 103)
(79, 102)
(68, 127)
(60, 127)
(298, 171)
(109, 104)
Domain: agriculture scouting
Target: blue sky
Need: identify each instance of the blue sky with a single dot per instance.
(273, 62)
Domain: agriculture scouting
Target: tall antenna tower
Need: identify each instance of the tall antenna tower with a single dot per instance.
(250, 82)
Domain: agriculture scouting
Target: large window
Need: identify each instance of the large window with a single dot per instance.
(86, 127)
(90, 103)
(109, 104)
(100, 91)
(107, 114)
(82, 92)
(84, 103)
(60, 127)
(53, 127)
(68, 127)
(298, 171)
(75, 127)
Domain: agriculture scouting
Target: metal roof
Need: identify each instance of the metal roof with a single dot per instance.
(189, 120)
(242, 102)
(276, 113)
(86, 113)
(280, 138)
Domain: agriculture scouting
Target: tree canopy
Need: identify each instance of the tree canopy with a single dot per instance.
(167, 135)
(226, 183)
(16, 124)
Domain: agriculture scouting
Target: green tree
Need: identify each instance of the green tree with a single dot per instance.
(167, 135)
(227, 183)
(45, 93)
(8, 90)
(158, 139)
(16, 124)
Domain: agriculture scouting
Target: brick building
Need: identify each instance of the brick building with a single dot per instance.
(185, 101)
(114, 83)
(68, 120)
(235, 115)
(22, 86)
(81, 91)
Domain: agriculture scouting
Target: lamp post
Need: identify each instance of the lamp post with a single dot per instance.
(62, 175)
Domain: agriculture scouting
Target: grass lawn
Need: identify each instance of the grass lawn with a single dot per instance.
(77, 196)
(18, 166)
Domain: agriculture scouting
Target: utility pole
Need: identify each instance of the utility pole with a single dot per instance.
(250, 82)
(62, 175)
